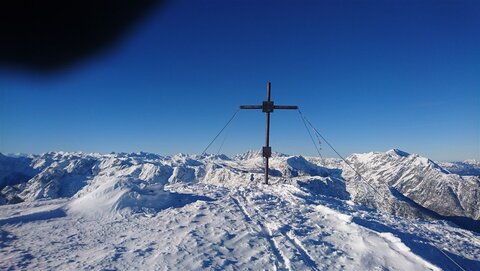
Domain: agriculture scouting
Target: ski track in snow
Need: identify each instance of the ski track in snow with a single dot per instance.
(279, 238)
(282, 262)
(276, 227)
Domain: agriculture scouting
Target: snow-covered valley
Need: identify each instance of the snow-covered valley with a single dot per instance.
(187, 212)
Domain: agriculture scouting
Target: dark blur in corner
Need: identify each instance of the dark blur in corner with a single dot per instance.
(51, 35)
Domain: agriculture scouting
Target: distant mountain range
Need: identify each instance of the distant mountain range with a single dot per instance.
(398, 182)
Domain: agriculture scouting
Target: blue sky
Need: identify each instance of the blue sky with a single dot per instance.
(370, 75)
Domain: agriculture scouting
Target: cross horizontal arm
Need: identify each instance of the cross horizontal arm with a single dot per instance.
(250, 107)
(286, 107)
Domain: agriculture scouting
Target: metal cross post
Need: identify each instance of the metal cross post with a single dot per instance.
(268, 107)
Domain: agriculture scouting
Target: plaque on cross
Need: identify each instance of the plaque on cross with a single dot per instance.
(267, 107)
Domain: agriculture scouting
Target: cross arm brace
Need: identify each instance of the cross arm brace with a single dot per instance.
(286, 107)
(250, 107)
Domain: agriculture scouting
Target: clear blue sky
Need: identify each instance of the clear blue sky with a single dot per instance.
(371, 75)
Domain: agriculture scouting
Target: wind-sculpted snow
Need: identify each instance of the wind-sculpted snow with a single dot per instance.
(252, 227)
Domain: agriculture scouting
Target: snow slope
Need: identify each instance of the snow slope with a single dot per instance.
(188, 212)
(260, 227)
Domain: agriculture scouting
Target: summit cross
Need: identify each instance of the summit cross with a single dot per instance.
(268, 107)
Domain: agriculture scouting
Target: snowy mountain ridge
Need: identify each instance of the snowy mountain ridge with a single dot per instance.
(421, 180)
(395, 175)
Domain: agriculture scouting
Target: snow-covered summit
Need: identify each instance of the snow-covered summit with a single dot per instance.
(317, 213)
(398, 152)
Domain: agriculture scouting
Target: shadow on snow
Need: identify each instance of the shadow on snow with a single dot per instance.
(422, 247)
